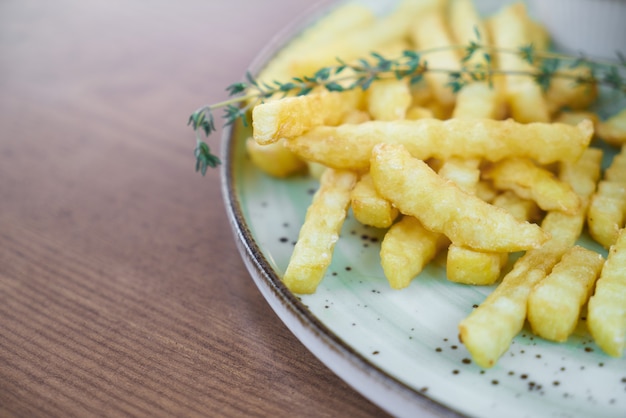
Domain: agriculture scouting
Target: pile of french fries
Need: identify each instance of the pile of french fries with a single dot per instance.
(499, 167)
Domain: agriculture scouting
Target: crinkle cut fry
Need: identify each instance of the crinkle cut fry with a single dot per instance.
(313, 251)
(350, 146)
(416, 190)
(488, 331)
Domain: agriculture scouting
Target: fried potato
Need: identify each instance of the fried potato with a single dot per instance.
(477, 99)
(406, 248)
(416, 190)
(522, 209)
(465, 265)
(613, 130)
(472, 267)
(606, 314)
(369, 207)
(292, 116)
(530, 181)
(566, 92)
(554, 304)
(488, 331)
(419, 112)
(468, 266)
(346, 18)
(465, 173)
(388, 99)
(361, 41)
(509, 29)
(350, 146)
(430, 31)
(574, 117)
(274, 159)
(607, 211)
(313, 251)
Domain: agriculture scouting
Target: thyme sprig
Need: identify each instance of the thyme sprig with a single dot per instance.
(411, 65)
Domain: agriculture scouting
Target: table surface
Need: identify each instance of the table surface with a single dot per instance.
(121, 290)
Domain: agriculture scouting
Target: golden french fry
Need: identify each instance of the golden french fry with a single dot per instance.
(613, 130)
(607, 211)
(369, 207)
(430, 31)
(292, 116)
(361, 41)
(468, 266)
(510, 29)
(419, 112)
(574, 117)
(346, 18)
(606, 314)
(488, 331)
(554, 304)
(522, 209)
(313, 251)
(416, 190)
(566, 92)
(388, 99)
(530, 181)
(478, 99)
(350, 146)
(465, 265)
(274, 159)
(464, 173)
(356, 116)
(406, 248)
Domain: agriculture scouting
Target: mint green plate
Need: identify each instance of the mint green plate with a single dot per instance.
(400, 348)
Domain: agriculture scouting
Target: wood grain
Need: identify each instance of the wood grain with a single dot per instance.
(121, 290)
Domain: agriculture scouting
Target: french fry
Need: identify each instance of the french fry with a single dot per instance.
(606, 313)
(292, 116)
(464, 173)
(465, 265)
(344, 19)
(510, 29)
(313, 251)
(388, 99)
(522, 209)
(554, 304)
(574, 117)
(406, 248)
(566, 92)
(488, 331)
(350, 146)
(419, 112)
(274, 159)
(416, 190)
(430, 31)
(468, 266)
(369, 207)
(363, 40)
(478, 99)
(607, 211)
(530, 181)
(613, 130)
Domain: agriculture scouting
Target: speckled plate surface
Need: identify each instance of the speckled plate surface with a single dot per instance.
(400, 348)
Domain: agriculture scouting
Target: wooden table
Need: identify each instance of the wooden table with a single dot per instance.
(121, 290)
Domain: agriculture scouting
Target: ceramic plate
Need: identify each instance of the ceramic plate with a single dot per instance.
(400, 348)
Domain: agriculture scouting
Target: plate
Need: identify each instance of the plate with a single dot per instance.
(400, 349)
